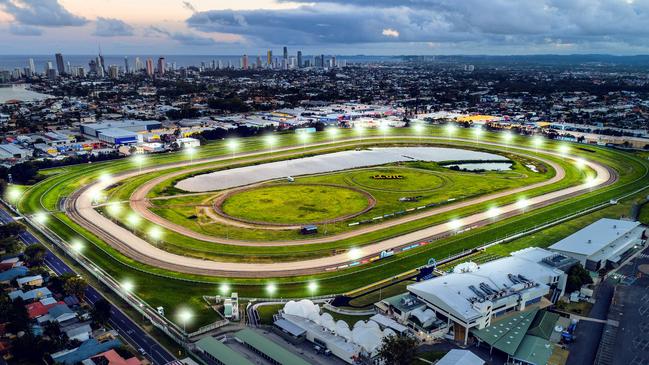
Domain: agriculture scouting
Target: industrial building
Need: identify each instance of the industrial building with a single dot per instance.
(218, 353)
(117, 136)
(93, 129)
(473, 295)
(605, 242)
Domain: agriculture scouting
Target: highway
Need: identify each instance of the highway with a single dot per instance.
(125, 326)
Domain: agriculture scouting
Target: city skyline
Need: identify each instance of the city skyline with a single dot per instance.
(334, 27)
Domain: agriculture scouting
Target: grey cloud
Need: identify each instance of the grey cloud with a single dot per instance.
(497, 22)
(110, 27)
(185, 38)
(45, 13)
(189, 6)
(24, 30)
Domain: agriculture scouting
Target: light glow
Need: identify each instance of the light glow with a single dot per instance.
(493, 212)
(155, 233)
(128, 286)
(522, 203)
(271, 140)
(77, 246)
(271, 288)
(224, 288)
(564, 149)
(450, 129)
(40, 217)
(455, 224)
(312, 286)
(13, 194)
(114, 209)
(355, 254)
(133, 219)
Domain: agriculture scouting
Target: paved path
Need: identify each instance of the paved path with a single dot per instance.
(79, 207)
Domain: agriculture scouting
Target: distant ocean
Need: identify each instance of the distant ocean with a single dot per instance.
(10, 62)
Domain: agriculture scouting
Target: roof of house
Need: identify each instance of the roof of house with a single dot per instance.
(85, 350)
(221, 352)
(115, 359)
(13, 273)
(269, 348)
(27, 279)
(60, 310)
(595, 237)
(37, 293)
(543, 324)
(38, 309)
(460, 357)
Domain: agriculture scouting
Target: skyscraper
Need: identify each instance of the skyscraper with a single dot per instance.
(285, 53)
(126, 67)
(244, 62)
(149, 67)
(138, 64)
(161, 66)
(32, 66)
(269, 58)
(60, 65)
(113, 71)
(299, 59)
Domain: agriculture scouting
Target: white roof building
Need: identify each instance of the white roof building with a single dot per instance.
(606, 240)
(470, 299)
(460, 357)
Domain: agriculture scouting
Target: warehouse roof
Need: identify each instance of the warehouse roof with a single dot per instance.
(595, 237)
(289, 327)
(534, 350)
(221, 352)
(269, 348)
(506, 335)
(117, 132)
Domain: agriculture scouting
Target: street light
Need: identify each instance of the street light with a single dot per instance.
(114, 209)
(224, 288)
(127, 286)
(13, 194)
(105, 178)
(40, 217)
(477, 132)
(580, 163)
(507, 137)
(564, 149)
(333, 133)
(304, 138)
(133, 219)
(360, 131)
(493, 212)
(233, 144)
(537, 141)
(384, 128)
(77, 246)
(450, 130)
(155, 233)
(419, 130)
(522, 204)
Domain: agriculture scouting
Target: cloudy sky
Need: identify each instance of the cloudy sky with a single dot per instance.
(348, 27)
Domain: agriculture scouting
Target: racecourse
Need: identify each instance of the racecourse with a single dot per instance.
(80, 207)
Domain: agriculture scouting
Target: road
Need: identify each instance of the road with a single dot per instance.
(80, 208)
(125, 326)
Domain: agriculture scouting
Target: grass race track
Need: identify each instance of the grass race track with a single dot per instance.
(174, 290)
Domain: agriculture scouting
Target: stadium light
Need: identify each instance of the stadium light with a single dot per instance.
(13, 194)
(522, 203)
(450, 130)
(590, 181)
(133, 219)
(185, 315)
(507, 137)
(139, 160)
(304, 138)
(455, 224)
(477, 132)
(105, 178)
(580, 163)
(128, 286)
(419, 130)
(564, 149)
(493, 212)
(77, 246)
(190, 151)
(271, 289)
(114, 209)
(224, 288)
(271, 141)
(359, 130)
(384, 128)
(233, 144)
(40, 217)
(155, 233)
(333, 133)
(355, 253)
(537, 142)
(313, 287)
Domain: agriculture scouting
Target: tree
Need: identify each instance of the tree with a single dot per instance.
(75, 286)
(35, 254)
(398, 350)
(577, 277)
(101, 311)
(10, 229)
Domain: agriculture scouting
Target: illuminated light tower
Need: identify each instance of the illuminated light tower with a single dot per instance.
(564, 149)
(537, 142)
(580, 163)
(233, 144)
(155, 233)
(13, 195)
(133, 219)
(271, 141)
(105, 178)
(313, 287)
(304, 138)
(224, 289)
(333, 133)
(450, 130)
(190, 151)
(355, 253)
(477, 132)
(185, 316)
(419, 130)
(114, 209)
(77, 246)
(360, 131)
(128, 286)
(384, 128)
(493, 212)
(522, 204)
(271, 289)
(40, 217)
(507, 137)
(139, 160)
(455, 224)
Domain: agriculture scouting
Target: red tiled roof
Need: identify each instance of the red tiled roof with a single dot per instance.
(37, 309)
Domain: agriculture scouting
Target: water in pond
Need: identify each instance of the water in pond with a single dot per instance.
(486, 166)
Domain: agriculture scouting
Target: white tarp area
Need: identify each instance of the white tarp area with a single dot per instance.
(336, 161)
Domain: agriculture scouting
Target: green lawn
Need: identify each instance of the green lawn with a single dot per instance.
(294, 203)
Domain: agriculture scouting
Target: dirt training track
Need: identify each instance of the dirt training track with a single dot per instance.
(80, 208)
